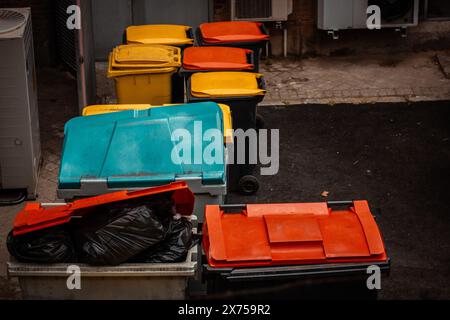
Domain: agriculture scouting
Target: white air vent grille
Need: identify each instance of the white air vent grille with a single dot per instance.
(10, 20)
(261, 10)
(251, 9)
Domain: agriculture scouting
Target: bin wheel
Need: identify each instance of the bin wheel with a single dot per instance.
(248, 185)
(260, 123)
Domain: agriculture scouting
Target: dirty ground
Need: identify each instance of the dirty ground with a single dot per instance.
(396, 156)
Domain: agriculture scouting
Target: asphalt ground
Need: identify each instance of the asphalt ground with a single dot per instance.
(396, 156)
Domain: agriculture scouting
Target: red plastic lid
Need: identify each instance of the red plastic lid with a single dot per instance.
(35, 217)
(232, 31)
(291, 234)
(217, 58)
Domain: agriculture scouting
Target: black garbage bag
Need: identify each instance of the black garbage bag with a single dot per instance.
(163, 206)
(174, 248)
(52, 245)
(117, 233)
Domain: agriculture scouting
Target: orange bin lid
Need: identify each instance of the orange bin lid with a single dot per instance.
(36, 217)
(291, 234)
(232, 31)
(217, 58)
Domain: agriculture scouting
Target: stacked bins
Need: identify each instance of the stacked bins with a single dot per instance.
(242, 91)
(128, 281)
(210, 59)
(173, 35)
(143, 73)
(137, 149)
(239, 34)
(292, 251)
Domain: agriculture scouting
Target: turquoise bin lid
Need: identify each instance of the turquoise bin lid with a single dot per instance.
(133, 149)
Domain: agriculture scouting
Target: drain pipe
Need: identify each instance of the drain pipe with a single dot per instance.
(82, 71)
(279, 25)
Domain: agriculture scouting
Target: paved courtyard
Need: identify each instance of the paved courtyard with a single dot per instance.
(357, 79)
(326, 80)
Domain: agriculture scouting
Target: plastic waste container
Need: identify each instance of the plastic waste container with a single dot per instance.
(240, 34)
(138, 281)
(143, 73)
(138, 149)
(204, 59)
(242, 91)
(314, 250)
(166, 34)
(209, 59)
(109, 108)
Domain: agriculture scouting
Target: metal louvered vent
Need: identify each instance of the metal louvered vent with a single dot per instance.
(66, 38)
(393, 9)
(10, 20)
(253, 9)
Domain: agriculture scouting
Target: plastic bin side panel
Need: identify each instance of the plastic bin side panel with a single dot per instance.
(105, 288)
(153, 89)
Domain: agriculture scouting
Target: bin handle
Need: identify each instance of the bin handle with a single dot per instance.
(227, 207)
(339, 203)
(251, 59)
(263, 29)
(262, 83)
(231, 208)
(190, 33)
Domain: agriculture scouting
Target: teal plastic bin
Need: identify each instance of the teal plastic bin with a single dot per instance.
(134, 149)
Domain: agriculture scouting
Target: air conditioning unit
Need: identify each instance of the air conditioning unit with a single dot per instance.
(335, 15)
(261, 10)
(20, 149)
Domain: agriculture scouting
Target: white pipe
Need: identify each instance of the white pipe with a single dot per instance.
(285, 41)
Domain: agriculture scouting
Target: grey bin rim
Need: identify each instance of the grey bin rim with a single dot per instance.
(182, 269)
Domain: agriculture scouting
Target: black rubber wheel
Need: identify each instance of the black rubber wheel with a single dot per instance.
(260, 123)
(248, 185)
(12, 197)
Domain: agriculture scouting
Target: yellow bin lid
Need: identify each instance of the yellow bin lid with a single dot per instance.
(119, 72)
(169, 34)
(109, 108)
(226, 84)
(146, 56)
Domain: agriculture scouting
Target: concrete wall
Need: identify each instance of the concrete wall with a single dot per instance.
(305, 39)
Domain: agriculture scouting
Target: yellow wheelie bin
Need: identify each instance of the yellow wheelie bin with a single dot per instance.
(143, 73)
(241, 91)
(166, 34)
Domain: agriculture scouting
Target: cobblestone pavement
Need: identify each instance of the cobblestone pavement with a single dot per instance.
(352, 79)
(57, 104)
(356, 79)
